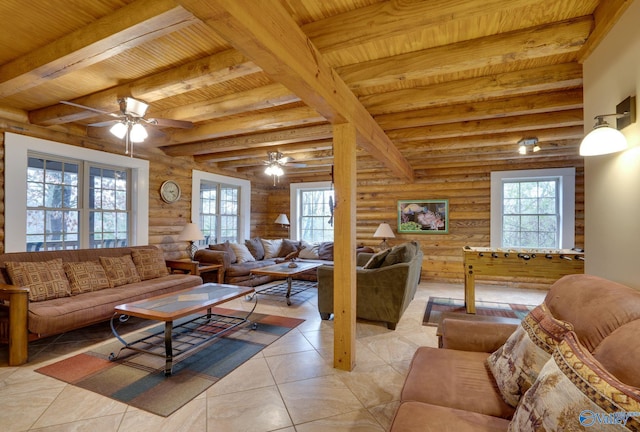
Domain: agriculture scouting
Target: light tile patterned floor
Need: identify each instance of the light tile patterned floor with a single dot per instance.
(289, 386)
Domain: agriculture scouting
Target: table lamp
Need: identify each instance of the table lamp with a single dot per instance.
(384, 232)
(191, 233)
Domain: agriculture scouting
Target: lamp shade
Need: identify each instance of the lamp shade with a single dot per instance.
(282, 219)
(119, 130)
(191, 232)
(138, 133)
(384, 231)
(603, 140)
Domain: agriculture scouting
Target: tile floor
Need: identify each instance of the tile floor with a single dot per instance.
(289, 386)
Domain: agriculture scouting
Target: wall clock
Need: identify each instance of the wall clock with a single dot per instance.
(170, 191)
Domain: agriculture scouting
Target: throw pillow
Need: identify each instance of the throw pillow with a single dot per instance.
(86, 276)
(242, 252)
(271, 248)
(45, 279)
(225, 247)
(288, 246)
(149, 263)
(255, 247)
(399, 254)
(574, 392)
(325, 251)
(120, 270)
(377, 259)
(515, 365)
(309, 250)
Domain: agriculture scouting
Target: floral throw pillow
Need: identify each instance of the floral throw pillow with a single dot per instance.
(46, 280)
(574, 392)
(516, 364)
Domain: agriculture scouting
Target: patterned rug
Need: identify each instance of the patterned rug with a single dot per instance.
(138, 379)
(437, 305)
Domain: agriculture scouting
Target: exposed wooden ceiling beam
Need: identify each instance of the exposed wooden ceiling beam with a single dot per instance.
(266, 33)
(127, 27)
(313, 146)
(605, 16)
(200, 73)
(542, 41)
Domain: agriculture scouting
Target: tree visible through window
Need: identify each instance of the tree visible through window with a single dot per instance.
(315, 214)
(530, 215)
(219, 212)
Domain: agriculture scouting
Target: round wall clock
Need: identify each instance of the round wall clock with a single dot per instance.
(170, 191)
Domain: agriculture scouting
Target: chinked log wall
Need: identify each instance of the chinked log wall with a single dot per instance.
(467, 187)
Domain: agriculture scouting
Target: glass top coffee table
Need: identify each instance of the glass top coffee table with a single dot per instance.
(189, 333)
(285, 271)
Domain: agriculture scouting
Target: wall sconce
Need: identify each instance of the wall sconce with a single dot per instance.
(384, 232)
(528, 143)
(605, 139)
(191, 233)
(283, 220)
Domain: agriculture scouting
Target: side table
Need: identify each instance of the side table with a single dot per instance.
(194, 267)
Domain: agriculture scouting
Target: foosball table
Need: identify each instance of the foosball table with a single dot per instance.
(533, 263)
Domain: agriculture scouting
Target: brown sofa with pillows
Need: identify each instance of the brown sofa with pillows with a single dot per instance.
(572, 364)
(386, 283)
(51, 292)
(238, 259)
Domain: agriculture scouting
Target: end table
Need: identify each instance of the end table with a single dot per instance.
(196, 268)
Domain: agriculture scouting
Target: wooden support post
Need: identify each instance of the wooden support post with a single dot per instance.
(344, 275)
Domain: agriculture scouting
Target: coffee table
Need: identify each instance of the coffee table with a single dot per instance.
(189, 333)
(285, 271)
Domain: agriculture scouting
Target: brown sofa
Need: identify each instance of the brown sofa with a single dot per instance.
(384, 290)
(237, 271)
(573, 363)
(69, 289)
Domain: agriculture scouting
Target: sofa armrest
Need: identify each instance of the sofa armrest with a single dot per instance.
(213, 257)
(17, 329)
(479, 336)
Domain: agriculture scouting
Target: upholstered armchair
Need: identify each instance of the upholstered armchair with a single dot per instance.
(386, 284)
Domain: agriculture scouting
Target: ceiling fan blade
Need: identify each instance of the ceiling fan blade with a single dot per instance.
(90, 109)
(182, 124)
(104, 123)
(284, 160)
(296, 165)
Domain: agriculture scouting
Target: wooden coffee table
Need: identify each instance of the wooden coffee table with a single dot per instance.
(285, 271)
(189, 334)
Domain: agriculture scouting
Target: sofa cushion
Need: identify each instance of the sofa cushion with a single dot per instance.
(454, 379)
(45, 280)
(86, 276)
(413, 416)
(288, 247)
(120, 270)
(242, 253)
(225, 247)
(255, 247)
(604, 306)
(309, 250)
(149, 263)
(271, 248)
(574, 391)
(619, 353)
(377, 259)
(515, 365)
(325, 251)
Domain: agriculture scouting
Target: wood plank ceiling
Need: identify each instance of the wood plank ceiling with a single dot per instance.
(427, 83)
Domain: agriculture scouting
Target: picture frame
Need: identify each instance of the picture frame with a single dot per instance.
(426, 216)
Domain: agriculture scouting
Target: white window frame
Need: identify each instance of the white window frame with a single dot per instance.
(17, 148)
(567, 200)
(244, 225)
(294, 203)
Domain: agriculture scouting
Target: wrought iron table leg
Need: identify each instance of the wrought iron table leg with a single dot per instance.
(168, 365)
(289, 280)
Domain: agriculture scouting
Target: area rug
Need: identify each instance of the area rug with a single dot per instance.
(138, 379)
(437, 305)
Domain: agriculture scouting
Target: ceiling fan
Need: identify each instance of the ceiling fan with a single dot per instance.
(276, 161)
(130, 122)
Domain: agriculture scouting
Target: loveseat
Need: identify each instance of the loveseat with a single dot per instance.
(51, 292)
(572, 364)
(238, 259)
(386, 283)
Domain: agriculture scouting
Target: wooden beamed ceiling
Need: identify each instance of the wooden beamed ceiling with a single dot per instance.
(425, 83)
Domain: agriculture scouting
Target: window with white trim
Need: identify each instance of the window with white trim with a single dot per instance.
(219, 212)
(533, 209)
(312, 212)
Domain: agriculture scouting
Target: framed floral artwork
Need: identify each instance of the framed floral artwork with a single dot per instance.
(423, 216)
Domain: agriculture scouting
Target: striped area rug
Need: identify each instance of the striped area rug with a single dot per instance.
(138, 379)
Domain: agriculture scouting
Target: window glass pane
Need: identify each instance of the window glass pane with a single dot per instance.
(315, 214)
(219, 212)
